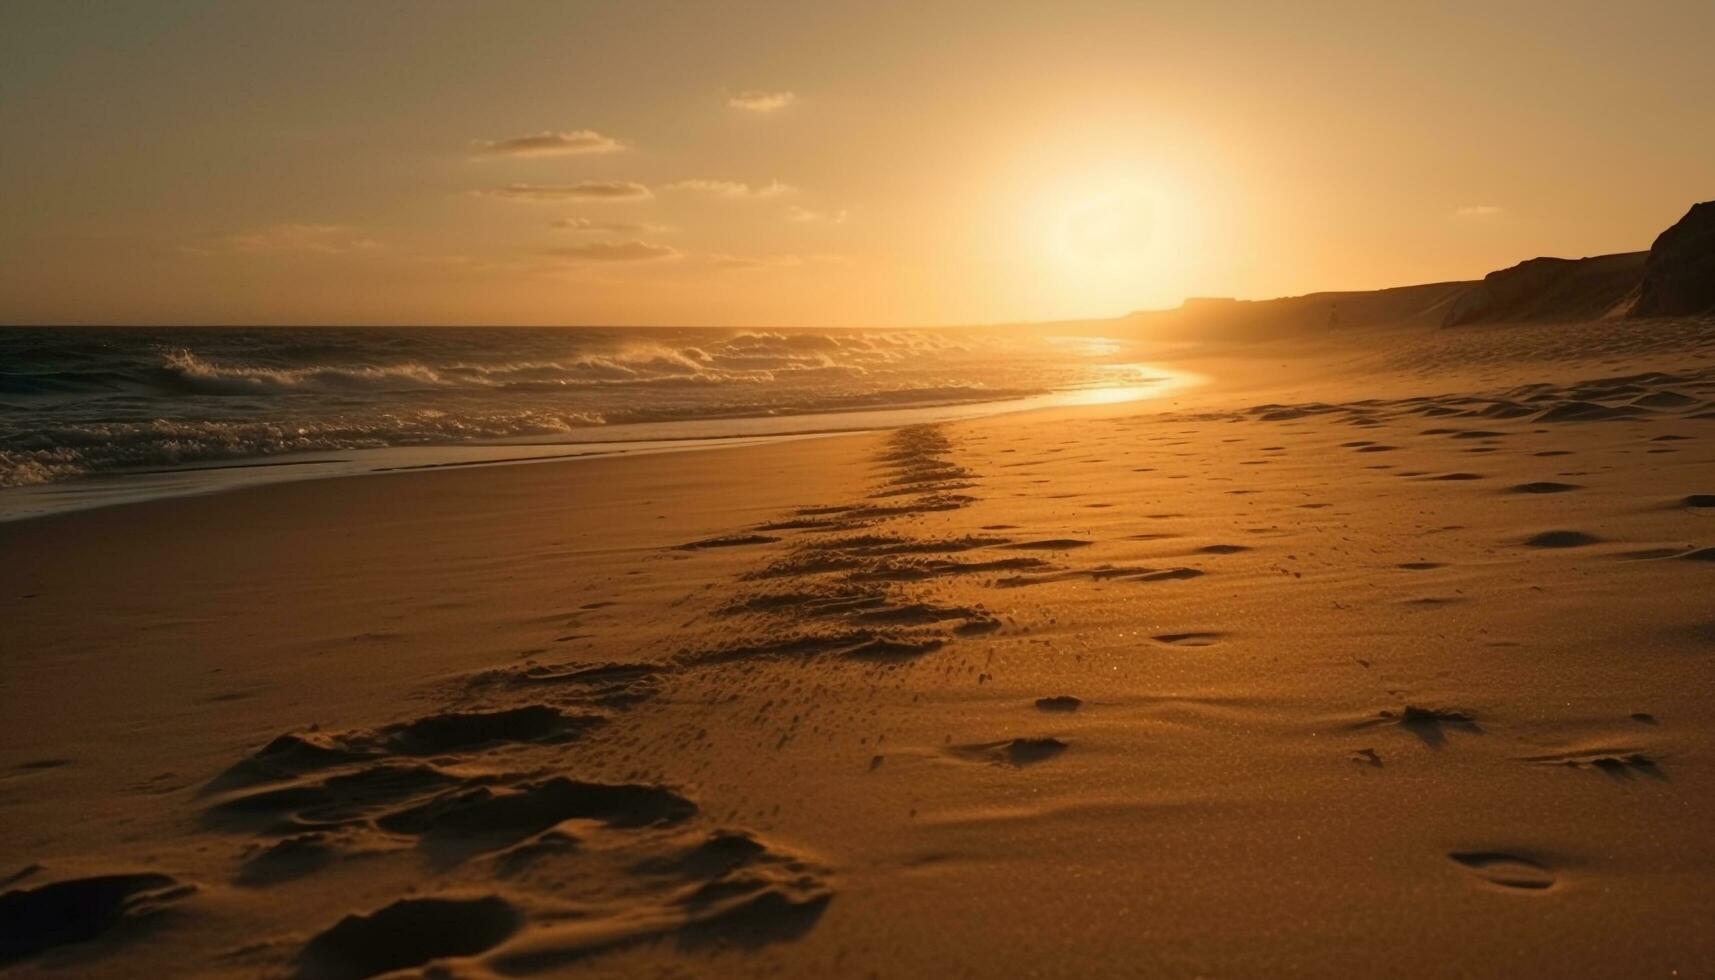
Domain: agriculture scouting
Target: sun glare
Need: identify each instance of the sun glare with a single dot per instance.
(1111, 231)
(1116, 246)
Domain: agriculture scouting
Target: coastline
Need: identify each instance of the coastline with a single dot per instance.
(35, 500)
(1338, 655)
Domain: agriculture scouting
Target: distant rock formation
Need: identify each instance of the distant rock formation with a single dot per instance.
(1676, 277)
(1679, 277)
(1551, 289)
(1332, 312)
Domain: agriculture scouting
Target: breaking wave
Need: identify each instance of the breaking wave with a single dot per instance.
(81, 402)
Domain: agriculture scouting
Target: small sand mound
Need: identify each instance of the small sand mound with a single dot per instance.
(287, 858)
(1580, 411)
(1189, 639)
(1614, 762)
(1017, 752)
(339, 800)
(886, 648)
(436, 734)
(726, 890)
(407, 933)
(1664, 399)
(520, 811)
(1049, 544)
(1543, 486)
(1505, 870)
(1561, 539)
(77, 910)
(297, 753)
(1168, 575)
(716, 854)
(1431, 725)
(728, 541)
(1062, 702)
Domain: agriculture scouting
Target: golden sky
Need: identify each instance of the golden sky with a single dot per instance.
(830, 162)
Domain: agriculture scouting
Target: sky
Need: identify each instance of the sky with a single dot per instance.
(832, 163)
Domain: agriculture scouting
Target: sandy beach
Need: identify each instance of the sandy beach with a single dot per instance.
(1385, 656)
(756, 489)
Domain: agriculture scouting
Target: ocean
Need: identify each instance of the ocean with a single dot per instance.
(78, 404)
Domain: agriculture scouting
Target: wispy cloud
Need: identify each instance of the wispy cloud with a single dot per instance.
(550, 144)
(588, 190)
(731, 188)
(786, 260)
(610, 227)
(806, 216)
(631, 251)
(761, 100)
(1476, 211)
(283, 238)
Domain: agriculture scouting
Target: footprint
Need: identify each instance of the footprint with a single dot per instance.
(728, 541)
(1561, 539)
(1618, 763)
(1167, 575)
(1506, 870)
(1190, 639)
(1431, 725)
(1063, 702)
(1017, 752)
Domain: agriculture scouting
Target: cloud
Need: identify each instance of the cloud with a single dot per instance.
(283, 238)
(740, 262)
(786, 260)
(588, 190)
(630, 251)
(611, 227)
(803, 216)
(758, 100)
(1476, 211)
(550, 144)
(731, 188)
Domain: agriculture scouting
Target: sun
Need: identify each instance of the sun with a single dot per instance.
(1109, 245)
(1113, 232)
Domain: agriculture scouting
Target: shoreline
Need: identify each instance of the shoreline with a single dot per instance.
(1333, 647)
(627, 439)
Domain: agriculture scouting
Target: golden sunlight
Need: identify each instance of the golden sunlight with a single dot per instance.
(980, 488)
(1108, 233)
(1116, 243)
